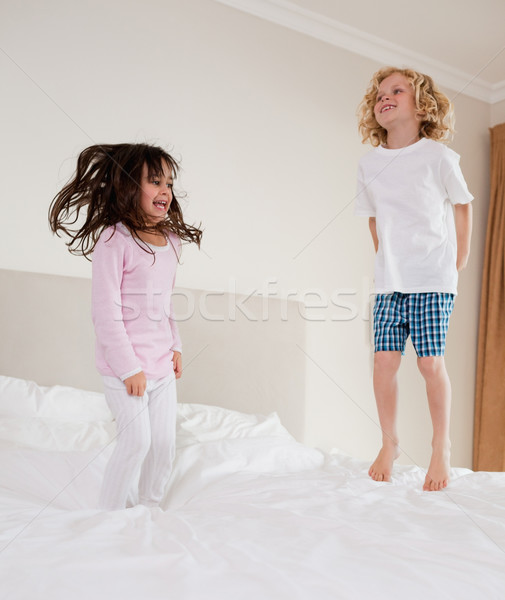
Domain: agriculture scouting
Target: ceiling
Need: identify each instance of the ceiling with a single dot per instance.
(461, 43)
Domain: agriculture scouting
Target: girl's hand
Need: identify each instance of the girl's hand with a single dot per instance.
(177, 360)
(136, 384)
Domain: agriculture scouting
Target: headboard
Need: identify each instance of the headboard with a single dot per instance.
(238, 352)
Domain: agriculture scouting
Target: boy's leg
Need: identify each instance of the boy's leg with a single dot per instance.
(390, 334)
(157, 466)
(386, 365)
(438, 390)
(429, 320)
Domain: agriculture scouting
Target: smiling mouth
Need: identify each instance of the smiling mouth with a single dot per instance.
(387, 107)
(160, 203)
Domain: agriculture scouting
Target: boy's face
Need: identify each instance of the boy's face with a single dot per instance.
(395, 104)
(156, 194)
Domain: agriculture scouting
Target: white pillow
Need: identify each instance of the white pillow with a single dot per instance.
(210, 439)
(59, 416)
(204, 423)
(22, 398)
(52, 418)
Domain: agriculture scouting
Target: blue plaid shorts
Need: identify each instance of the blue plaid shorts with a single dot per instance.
(424, 316)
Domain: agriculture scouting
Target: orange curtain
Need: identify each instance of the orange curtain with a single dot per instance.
(489, 428)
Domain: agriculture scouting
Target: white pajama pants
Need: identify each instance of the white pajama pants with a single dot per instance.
(145, 441)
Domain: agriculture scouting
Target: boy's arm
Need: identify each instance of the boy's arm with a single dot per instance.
(373, 231)
(463, 221)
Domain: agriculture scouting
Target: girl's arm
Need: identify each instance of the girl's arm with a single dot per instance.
(463, 221)
(176, 343)
(107, 307)
(373, 231)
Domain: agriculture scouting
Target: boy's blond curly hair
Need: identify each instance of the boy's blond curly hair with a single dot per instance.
(436, 109)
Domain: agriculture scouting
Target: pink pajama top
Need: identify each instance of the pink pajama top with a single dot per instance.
(132, 306)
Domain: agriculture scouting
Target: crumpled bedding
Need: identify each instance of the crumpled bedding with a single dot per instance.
(248, 513)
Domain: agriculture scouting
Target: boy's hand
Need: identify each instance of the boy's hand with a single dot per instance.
(177, 360)
(136, 384)
(461, 262)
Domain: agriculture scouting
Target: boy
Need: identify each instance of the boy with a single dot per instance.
(420, 217)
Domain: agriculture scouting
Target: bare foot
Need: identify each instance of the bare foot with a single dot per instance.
(437, 477)
(382, 468)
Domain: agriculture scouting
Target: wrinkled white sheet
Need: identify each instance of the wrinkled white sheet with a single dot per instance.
(249, 514)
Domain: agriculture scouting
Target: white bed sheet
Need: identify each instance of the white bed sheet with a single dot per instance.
(248, 514)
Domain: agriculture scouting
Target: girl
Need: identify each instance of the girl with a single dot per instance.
(420, 218)
(133, 226)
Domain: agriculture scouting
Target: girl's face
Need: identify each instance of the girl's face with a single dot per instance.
(156, 194)
(395, 103)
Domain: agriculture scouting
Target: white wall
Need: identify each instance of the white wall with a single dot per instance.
(264, 121)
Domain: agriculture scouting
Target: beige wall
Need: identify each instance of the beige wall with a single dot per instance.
(264, 121)
(498, 113)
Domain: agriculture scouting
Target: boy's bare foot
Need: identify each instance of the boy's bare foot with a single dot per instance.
(437, 477)
(382, 468)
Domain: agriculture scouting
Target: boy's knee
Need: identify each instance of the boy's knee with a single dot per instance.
(387, 361)
(431, 366)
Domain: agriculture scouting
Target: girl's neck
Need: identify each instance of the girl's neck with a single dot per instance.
(155, 239)
(400, 138)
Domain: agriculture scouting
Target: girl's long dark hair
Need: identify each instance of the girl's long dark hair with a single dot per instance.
(106, 190)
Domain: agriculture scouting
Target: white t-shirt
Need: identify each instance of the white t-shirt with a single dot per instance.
(410, 192)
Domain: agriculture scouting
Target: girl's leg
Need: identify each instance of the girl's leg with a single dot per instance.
(133, 441)
(386, 365)
(438, 389)
(157, 466)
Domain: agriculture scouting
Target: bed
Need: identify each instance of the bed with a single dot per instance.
(248, 513)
